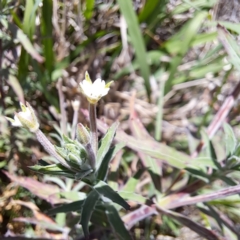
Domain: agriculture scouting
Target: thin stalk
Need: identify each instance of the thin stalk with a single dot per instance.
(63, 122)
(158, 131)
(93, 127)
(75, 105)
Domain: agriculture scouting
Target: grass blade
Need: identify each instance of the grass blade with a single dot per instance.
(128, 12)
(47, 30)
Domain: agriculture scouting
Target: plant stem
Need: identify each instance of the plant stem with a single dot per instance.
(93, 127)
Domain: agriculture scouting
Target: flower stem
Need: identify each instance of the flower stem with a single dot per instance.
(93, 127)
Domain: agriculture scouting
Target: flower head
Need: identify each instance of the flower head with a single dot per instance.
(94, 91)
(26, 118)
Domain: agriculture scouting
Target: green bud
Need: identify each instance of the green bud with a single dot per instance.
(67, 139)
(61, 152)
(75, 159)
(83, 136)
(69, 147)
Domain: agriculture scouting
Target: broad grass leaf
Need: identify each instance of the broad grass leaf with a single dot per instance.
(126, 8)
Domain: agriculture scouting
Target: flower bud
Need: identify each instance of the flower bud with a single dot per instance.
(26, 118)
(83, 136)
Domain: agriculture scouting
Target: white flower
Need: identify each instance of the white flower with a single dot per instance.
(94, 91)
(26, 118)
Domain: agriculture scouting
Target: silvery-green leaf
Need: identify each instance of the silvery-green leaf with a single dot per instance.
(71, 148)
(74, 161)
(230, 139)
(116, 223)
(53, 169)
(82, 174)
(61, 152)
(67, 139)
(103, 189)
(87, 210)
(83, 155)
(68, 207)
(103, 169)
(106, 143)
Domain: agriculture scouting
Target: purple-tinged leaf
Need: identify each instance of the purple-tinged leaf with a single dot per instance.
(159, 151)
(116, 223)
(50, 225)
(48, 192)
(202, 231)
(151, 164)
(137, 215)
(181, 199)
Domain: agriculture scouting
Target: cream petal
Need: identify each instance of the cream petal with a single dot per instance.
(16, 122)
(94, 91)
(105, 91)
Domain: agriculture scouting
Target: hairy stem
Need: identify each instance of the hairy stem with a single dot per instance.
(93, 127)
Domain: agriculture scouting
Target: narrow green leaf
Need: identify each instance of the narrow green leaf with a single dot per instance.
(199, 174)
(23, 39)
(53, 169)
(129, 14)
(235, 27)
(230, 46)
(29, 19)
(106, 143)
(180, 43)
(65, 208)
(131, 196)
(154, 170)
(87, 210)
(204, 38)
(198, 4)
(202, 231)
(83, 174)
(230, 139)
(158, 128)
(47, 31)
(103, 189)
(103, 169)
(149, 8)
(14, 83)
(132, 182)
(116, 223)
(89, 9)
